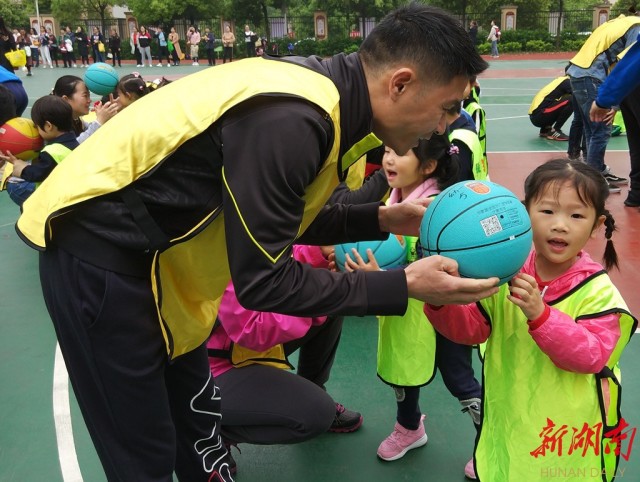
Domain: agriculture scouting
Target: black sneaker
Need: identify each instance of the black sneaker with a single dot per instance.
(345, 421)
(545, 131)
(557, 135)
(612, 178)
(633, 200)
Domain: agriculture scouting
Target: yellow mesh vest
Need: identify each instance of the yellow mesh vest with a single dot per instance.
(186, 279)
(526, 394)
(480, 167)
(602, 38)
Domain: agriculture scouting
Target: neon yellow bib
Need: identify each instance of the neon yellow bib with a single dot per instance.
(186, 279)
(526, 397)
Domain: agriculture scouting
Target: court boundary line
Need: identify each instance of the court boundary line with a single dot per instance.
(67, 455)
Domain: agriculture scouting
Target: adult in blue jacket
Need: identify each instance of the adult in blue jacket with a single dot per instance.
(13, 83)
(622, 88)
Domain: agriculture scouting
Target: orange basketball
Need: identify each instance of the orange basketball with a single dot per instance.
(20, 137)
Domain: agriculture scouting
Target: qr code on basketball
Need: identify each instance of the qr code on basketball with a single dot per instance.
(491, 225)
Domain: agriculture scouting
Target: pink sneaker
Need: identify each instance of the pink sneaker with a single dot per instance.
(401, 441)
(470, 470)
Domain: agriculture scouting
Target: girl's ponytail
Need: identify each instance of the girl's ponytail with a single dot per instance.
(610, 256)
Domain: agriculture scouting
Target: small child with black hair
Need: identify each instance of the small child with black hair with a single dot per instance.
(554, 337)
(409, 349)
(130, 88)
(53, 117)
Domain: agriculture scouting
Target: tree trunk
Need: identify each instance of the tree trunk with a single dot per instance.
(267, 27)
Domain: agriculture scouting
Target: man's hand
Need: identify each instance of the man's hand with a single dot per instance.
(601, 114)
(403, 218)
(435, 280)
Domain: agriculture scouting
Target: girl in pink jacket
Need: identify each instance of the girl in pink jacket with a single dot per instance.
(554, 337)
(262, 402)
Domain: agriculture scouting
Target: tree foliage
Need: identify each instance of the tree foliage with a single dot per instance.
(15, 14)
(164, 11)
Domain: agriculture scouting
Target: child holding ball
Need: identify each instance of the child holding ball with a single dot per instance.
(423, 172)
(75, 92)
(554, 337)
(53, 118)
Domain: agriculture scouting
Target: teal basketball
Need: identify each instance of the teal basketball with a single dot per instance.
(101, 78)
(389, 253)
(480, 224)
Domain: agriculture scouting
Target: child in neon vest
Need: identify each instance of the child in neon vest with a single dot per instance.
(422, 172)
(554, 337)
(53, 117)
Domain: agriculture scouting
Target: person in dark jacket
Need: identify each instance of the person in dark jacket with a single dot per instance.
(622, 87)
(114, 47)
(132, 313)
(83, 46)
(97, 45)
(473, 31)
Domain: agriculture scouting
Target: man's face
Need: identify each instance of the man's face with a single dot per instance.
(416, 112)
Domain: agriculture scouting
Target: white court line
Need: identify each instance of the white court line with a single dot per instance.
(506, 118)
(67, 456)
(545, 152)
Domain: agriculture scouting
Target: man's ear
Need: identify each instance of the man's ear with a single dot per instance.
(400, 80)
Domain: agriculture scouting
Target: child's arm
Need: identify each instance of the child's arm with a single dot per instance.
(464, 324)
(259, 330)
(582, 346)
(312, 255)
(39, 170)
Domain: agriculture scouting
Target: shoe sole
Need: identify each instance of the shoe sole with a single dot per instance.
(351, 428)
(618, 183)
(418, 443)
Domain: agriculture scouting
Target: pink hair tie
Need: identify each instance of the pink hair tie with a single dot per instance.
(453, 149)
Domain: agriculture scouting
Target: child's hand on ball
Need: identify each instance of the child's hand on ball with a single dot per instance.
(18, 164)
(358, 263)
(525, 293)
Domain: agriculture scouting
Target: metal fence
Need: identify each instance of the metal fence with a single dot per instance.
(297, 28)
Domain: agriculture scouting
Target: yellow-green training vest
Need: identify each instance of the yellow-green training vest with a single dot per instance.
(602, 38)
(407, 343)
(480, 166)
(471, 108)
(57, 151)
(524, 390)
(537, 100)
(187, 280)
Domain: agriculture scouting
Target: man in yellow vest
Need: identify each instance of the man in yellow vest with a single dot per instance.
(141, 230)
(587, 71)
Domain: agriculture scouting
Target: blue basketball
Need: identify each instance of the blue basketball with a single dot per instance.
(389, 253)
(480, 224)
(101, 78)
